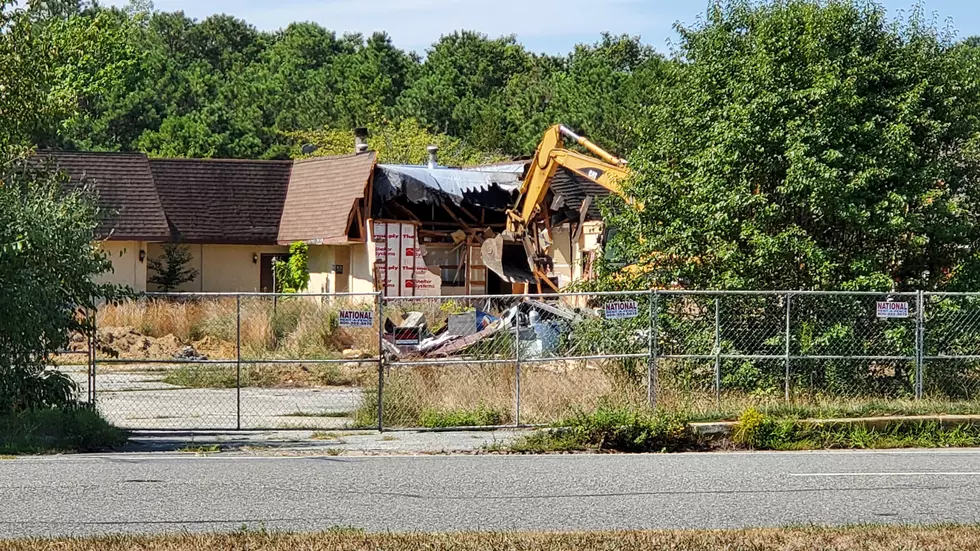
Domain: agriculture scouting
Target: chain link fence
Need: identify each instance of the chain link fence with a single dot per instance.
(196, 361)
(315, 361)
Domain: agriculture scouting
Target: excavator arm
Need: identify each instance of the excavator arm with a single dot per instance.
(516, 255)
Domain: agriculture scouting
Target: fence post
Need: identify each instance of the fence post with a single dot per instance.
(789, 337)
(517, 367)
(652, 364)
(919, 343)
(93, 342)
(238, 361)
(717, 351)
(381, 362)
(95, 353)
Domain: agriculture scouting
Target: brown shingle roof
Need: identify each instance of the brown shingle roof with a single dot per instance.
(322, 194)
(127, 196)
(222, 200)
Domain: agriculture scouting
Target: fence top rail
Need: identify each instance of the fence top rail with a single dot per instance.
(715, 292)
(192, 294)
(950, 294)
(520, 296)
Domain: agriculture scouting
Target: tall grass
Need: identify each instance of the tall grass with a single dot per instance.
(477, 394)
(281, 328)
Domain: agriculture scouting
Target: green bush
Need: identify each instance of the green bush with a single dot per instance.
(56, 431)
(631, 430)
(481, 416)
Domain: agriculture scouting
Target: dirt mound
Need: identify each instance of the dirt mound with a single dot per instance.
(214, 348)
(131, 344)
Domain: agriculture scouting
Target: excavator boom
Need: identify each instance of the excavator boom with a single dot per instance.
(516, 255)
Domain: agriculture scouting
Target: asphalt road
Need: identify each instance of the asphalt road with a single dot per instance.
(124, 493)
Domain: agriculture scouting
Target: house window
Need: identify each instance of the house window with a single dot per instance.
(449, 261)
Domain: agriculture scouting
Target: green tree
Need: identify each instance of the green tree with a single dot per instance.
(48, 281)
(293, 274)
(171, 270)
(809, 144)
(401, 143)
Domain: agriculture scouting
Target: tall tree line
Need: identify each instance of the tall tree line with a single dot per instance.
(221, 88)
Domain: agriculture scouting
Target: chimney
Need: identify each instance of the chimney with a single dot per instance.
(433, 156)
(360, 140)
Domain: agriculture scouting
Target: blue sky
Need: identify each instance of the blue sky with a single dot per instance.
(552, 26)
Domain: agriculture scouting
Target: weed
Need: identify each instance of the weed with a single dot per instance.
(271, 376)
(211, 448)
(335, 451)
(762, 432)
(324, 436)
(614, 429)
(389, 438)
(320, 414)
(479, 416)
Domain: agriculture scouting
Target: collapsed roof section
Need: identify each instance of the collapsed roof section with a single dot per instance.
(420, 184)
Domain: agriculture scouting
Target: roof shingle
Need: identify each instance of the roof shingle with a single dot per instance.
(322, 193)
(124, 183)
(222, 200)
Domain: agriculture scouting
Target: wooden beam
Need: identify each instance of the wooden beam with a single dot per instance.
(540, 276)
(456, 218)
(402, 210)
(468, 213)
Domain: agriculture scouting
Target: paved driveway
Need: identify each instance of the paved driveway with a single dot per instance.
(141, 400)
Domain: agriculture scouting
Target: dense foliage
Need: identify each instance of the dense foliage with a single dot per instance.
(807, 144)
(221, 88)
(783, 144)
(47, 282)
(293, 274)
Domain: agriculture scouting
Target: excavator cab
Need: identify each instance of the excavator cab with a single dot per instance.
(519, 254)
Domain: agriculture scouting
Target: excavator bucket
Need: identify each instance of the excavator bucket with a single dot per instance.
(507, 256)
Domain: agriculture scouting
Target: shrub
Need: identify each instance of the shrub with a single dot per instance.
(48, 279)
(631, 430)
(481, 416)
(57, 430)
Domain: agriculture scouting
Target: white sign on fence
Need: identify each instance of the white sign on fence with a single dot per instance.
(356, 318)
(893, 309)
(622, 310)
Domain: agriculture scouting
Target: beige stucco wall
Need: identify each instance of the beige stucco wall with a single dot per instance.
(223, 268)
(126, 266)
(357, 276)
(361, 268)
(321, 269)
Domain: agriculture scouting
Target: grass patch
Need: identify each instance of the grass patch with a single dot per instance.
(865, 538)
(630, 430)
(732, 406)
(57, 431)
(333, 414)
(271, 376)
(476, 417)
(757, 430)
(324, 436)
(610, 429)
(212, 448)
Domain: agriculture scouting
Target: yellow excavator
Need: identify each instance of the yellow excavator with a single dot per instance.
(520, 254)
